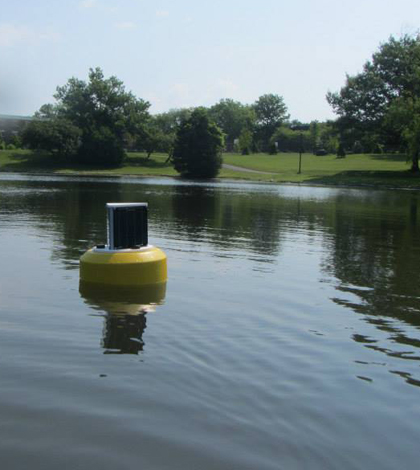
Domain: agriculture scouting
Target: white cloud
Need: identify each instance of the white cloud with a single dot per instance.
(220, 88)
(125, 25)
(162, 13)
(97, 5)
(88, 4)
(181, 91)
(226, 86)
(11, 34)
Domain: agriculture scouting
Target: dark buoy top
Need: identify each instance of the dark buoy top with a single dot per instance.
(127, 225)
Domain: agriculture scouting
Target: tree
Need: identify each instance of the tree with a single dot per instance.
(245, 141)
(152, 139)
(46, 111)
(198, 147)
(270, 112)
(170, 121)
(341, 153)
(404, 115)
(233, 118)
(164, 129)
(314, 130)
(292, 140)
(58, 136)
(104, 113)
(367, 99)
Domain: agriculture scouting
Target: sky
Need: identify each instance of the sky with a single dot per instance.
(183, 53)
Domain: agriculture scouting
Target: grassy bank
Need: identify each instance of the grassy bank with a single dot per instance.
(389, 170)
(354, 170)
(24, 161)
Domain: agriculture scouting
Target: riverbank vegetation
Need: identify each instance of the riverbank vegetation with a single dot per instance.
(379, 170)
(99, 126)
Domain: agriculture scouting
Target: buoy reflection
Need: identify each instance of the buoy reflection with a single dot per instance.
(125, 311)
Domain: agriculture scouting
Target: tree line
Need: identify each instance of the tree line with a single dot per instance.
(97, 121)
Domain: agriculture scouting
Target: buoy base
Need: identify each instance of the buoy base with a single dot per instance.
(129, 267)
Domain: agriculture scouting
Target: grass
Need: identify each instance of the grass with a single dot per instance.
(355, 170)
(136, 164)
(386, 170)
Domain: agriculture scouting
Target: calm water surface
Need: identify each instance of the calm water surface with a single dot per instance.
(288, 337)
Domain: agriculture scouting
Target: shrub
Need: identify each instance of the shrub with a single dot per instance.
(198, 147)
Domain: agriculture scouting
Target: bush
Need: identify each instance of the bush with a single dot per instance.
(198, 147)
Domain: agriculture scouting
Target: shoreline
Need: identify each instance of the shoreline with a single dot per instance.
(359, 171)
(219, 179)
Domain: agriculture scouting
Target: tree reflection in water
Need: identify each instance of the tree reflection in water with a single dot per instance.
(375, 256)
(123, 334)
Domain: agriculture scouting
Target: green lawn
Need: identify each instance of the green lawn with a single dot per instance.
(354, 170)
(390, 170)
(135, 164)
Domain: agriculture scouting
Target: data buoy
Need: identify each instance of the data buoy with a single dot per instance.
(127, 259)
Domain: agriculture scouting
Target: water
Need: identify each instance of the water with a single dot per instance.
(288, 337)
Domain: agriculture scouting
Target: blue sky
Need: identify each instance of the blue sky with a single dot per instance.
(183, 53)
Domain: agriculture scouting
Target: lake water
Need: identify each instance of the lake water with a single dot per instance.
(288, 337)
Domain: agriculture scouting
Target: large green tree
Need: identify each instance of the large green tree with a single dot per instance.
(271, 112)
(198, 147)
(390, 79)
(233, 118)
(105, 114)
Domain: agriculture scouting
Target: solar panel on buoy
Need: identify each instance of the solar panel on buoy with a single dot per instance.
(127, 225)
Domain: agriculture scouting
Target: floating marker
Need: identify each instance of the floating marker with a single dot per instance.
(127, 259)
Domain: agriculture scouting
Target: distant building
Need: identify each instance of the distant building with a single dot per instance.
(12, 125)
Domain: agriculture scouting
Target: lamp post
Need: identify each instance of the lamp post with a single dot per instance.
(301, 128)
(300, 152)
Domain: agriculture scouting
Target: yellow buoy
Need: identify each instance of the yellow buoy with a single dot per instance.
(133, 267)
(127, 259)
